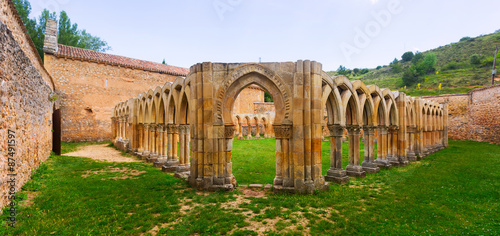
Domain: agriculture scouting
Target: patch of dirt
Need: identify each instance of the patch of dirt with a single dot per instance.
(101, 152)
(128, 173)
(251, 193)
(30, 196)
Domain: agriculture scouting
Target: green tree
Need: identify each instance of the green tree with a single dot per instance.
(417, 58)
(355, 71)
(364, 71)
(163, 62)
(267, 97)
(464, 38)
(69, 34)
(410, 76)
(343, 71)
(407, 56)
(475, 60)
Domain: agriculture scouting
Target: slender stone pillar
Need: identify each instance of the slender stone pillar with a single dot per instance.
(154, 144)
(369, 163)
(353, 168)
(172, 161)
(249, 135)
(336, 173)
(392, 145)
(240, 131)
(183, 149)
(162, 158)
(411, 144)
(257, 130)
(147, 149)
(381, 160)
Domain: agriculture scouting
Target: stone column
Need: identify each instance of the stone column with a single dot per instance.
(445, 125)
(162, 157)
(369, 163)
(249, 135)
(257, 130)
(172, 161)
(175, 141)
(183, 149)
(140, 145)
(154, 144)
(240, 130)
(381, 160)
(265, 130)
(411, 144)
(280, 165)
(336, 173)
(392, 145)
(146, 151)
(353, 168)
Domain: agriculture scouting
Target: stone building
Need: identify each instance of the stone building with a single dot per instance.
(90, 82)
(188, 126)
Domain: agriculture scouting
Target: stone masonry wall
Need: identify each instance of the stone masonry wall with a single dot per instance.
(90, 90)
(473, 116)
(26, 110)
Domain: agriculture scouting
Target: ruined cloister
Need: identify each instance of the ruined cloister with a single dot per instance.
(188, 126)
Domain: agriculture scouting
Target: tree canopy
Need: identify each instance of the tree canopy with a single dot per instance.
(68, 34)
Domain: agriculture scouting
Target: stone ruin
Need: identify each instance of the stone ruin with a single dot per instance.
(196, 112)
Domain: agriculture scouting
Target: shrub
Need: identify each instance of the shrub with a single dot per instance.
(464, 38)
(453, 65)
(417, 58)
(379, 67)
(410, 76)
(355, 70)
(487, 62)
(475, 60)
(364, 71)
(407, 56)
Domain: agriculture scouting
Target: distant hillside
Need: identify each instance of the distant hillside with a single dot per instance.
(454, 68)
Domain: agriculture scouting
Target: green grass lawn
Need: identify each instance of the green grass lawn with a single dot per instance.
(454, 191)
(246, 153)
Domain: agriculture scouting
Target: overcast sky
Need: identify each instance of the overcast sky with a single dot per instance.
(353, 33)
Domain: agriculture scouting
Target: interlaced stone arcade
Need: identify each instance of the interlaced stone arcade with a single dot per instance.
(195, 115)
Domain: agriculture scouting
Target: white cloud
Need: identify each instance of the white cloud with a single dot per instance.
(374, 1)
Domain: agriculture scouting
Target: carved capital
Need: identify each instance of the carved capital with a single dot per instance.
(229, 131)
(282, 131)
(336, 130)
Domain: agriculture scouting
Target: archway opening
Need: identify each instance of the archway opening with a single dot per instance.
(255, 159)
(254, 146)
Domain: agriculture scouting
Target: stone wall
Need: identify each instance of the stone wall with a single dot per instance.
(26, 110)
(90, 90)
(473, 116)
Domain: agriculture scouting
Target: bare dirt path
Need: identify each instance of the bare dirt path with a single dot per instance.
(101, 152)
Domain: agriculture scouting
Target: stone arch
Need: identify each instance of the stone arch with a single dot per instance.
(365, 102)
(242, 77)
(184, 105)
(379, 106)
(332, 100)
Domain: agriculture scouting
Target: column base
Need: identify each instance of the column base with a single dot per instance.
(240, 138)
(411, 156)
(144, 154)
(394, 161)
(152, 157)
(383, 163)
(170, 166)
(338, 176)
(182, 172)
(355, 171)
(370, 167)
(249, 137)
(162, 160)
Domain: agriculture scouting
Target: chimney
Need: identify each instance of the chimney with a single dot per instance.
(50, 43)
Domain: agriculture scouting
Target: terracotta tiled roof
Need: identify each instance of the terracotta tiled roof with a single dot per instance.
(90, 55)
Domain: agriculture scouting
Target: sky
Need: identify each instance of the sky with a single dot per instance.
(352, 33)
